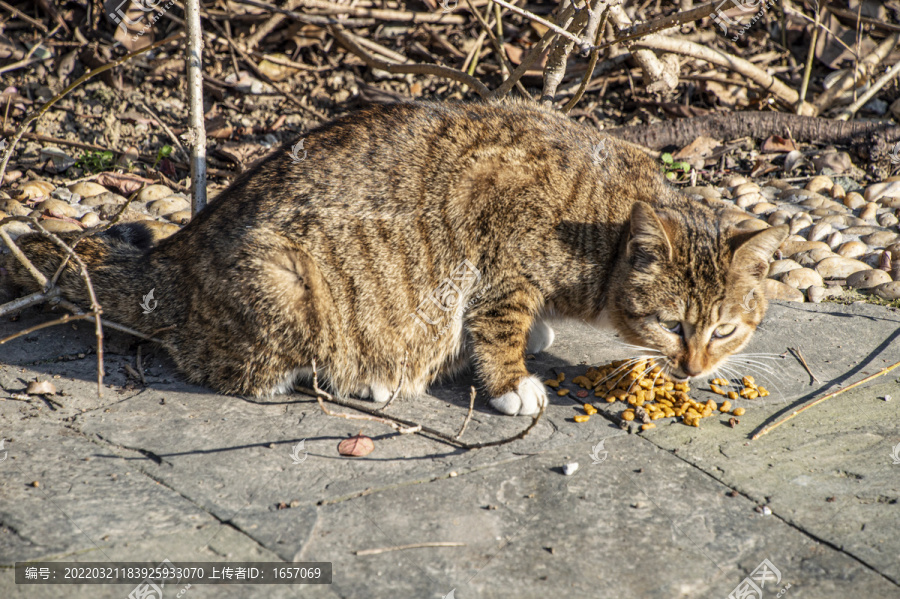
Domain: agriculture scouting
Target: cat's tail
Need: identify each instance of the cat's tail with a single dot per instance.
(118, 265)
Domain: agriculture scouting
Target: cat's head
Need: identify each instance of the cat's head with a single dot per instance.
(690, 287)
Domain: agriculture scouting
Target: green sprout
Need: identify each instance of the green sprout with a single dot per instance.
(96, 162)
(673, 168)
(164, 152)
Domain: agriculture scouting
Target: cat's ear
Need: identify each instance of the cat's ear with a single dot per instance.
(648, 242)
(752, 250)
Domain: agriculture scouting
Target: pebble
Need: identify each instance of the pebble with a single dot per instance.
(61, 193)
(763, 208)
(869, 211)
(852, 249)
(890, 202)
(867, 279)
(810, 258)
(747, 200)
(834, 240)
(873, 259)
(35, 189)
(888, 219)
(87, 189)
(182, 217)
(838, 267)
(59, 226)
(888, 291)
(58, 208)
(815, 293)
(853, 200)
(819, 183)
(169, 205)
(745, 188)
(861, 230)
(90, 220)
(570, 468)
(820, 231)
(734, 181)
(710, 193)
(804, 278)
(153, 193)
(14, 208)
(107, 197)
(779, 267)
(789, 248)
(779, 217)
(838, 192)
(881, 190)
(776, 290)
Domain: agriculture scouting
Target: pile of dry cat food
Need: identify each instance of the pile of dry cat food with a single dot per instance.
(652, 394)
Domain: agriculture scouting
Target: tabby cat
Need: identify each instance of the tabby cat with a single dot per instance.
(409, 238)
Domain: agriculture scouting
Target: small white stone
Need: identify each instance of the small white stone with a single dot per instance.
(886, 398)
(570, 468)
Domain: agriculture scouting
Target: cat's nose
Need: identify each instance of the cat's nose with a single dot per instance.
(691, 370)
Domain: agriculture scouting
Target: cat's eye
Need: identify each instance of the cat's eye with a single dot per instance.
(672, 326)
(723, 331)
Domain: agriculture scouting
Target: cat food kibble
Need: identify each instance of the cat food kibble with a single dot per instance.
(652, 395)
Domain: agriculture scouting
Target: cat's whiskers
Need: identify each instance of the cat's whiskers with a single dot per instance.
(772, 370)
(628, 362)
(637, 347)
(768, 378)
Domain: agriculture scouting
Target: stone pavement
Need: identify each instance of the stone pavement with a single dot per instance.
(173, 471)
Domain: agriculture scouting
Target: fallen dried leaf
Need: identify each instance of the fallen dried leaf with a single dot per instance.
(777, 144)
(40, 388)
(357, 446)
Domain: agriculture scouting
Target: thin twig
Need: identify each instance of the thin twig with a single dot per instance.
(582, 44)
(379, 550)
(533, 54)
(848, 80)
(420, 429)
(44, 325)
(498, 47)
(320, 394)
(869, 93)
(807, 71)
(768, 429)
(468, 414)
(399, 384)
(23, 16)
(196, 125)
(166, 128)
(27, 301)
(592, 63)
(717, 57)
(799, 356)
(348, 40)
(114, 325)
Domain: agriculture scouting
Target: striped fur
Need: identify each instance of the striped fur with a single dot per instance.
(498, 213)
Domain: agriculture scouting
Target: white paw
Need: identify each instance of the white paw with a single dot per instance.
(525, 401)
(540, 338)
(377, 393)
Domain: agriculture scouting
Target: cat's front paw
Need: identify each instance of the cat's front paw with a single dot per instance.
(540, 337)
(524, 401)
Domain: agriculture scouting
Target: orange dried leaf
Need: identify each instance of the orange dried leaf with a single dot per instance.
(357, 446)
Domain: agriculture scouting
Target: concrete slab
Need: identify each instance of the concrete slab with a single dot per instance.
(175, 470)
